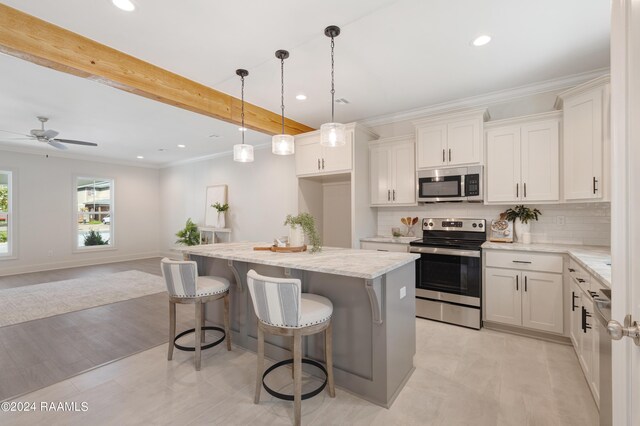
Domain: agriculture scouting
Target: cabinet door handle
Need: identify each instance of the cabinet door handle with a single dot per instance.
(318, 164)
(573, 300)
(571, 270)
(517, 283)
(521, 261)
(585, 324)
(388, 195)
(593, 293)
(595, 185)
(517, 190)
(394, 195)
(449, 154)
(525, 283)
(443, 159)
(525, 189)
(580, 280)
(323, 164)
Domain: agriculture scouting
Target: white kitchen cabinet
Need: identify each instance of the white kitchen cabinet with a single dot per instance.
(450, 140)
(575, 315)
(586, 140)
(522, 159)
(315, 159)
(392, 171)
(516, 295)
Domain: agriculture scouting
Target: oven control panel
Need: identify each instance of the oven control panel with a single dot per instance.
(449, 224)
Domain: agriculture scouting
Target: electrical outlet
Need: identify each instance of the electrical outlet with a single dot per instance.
(403, 292)
(560, 220)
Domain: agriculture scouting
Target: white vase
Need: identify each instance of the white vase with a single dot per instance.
(521, 229)
(221, 220)
(296, 236)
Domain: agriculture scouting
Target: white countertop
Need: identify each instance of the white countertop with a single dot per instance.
(394, 240)
(367, 264)
(594, 259)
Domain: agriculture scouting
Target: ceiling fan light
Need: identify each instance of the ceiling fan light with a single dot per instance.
(243, 153)
(282, 145)
(333, 134)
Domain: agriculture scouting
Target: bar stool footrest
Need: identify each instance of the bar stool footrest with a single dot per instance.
(193, 330)
(289, 397)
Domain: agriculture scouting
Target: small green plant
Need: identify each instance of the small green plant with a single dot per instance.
(189, 235)
(94, 238)
(525, 214)
(220, 207)
(3, 236)
(308, 225)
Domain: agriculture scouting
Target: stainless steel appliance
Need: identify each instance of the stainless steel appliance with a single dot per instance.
(458, 184)
(449, 271)
(602, 311)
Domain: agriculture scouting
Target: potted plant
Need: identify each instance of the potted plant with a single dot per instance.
(189, 235)
(523, 215)
(301, 225)
(221, 209)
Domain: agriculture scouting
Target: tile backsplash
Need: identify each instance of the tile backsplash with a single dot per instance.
(584, 223)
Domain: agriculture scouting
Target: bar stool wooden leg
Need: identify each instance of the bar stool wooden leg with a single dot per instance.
(172, 328)
(202, 323)
(197, 333)
(297, 377)
(328, 356)
(260, 368)
(227, 332)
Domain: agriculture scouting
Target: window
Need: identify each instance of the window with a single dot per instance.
(6, 220)
(94, 213)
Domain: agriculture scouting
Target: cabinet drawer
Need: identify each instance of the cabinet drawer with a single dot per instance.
(524, 261)
(365, 245)
(579, 275)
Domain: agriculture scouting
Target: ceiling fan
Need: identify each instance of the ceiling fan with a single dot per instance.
(48, 136)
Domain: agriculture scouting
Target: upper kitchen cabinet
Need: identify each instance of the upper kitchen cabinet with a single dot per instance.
(450, 140)
(392, 171)
(586, 140)
(314, 159)
(522, 159)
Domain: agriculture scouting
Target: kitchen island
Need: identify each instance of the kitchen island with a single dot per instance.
(373, 296)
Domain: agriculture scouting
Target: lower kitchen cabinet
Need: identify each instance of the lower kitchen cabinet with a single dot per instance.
(524, 298)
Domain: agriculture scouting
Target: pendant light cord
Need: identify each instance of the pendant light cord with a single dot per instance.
(242, 115)
(333, 90)
(282, 91)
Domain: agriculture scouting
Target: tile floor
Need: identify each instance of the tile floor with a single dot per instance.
(462, 377)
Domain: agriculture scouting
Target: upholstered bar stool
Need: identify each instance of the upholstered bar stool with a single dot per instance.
(283, 310)
(186, 287)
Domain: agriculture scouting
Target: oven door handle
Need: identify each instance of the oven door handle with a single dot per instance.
(445, 251)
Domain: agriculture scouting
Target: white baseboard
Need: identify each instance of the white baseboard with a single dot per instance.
(75, 263)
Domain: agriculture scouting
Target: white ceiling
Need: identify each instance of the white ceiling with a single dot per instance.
(391, 56)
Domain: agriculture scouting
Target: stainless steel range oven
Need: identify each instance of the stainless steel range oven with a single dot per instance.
(449, 271)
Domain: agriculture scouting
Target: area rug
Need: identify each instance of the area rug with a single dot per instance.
(38, 301)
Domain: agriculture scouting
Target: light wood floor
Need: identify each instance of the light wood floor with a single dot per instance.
(42, 352)
(462, 377)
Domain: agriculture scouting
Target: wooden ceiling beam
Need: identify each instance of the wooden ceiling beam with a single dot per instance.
(34, 40)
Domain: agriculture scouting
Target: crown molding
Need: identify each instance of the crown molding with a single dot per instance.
(581, 88)
(488, 98)
(550, 115)
(209, 157)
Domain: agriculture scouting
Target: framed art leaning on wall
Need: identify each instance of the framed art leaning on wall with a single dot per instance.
(215, 194)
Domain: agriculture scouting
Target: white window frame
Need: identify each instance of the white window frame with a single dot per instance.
(12, 243)
(74, 224)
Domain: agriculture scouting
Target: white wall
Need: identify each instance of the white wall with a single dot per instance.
(261, 194)
(44, 212)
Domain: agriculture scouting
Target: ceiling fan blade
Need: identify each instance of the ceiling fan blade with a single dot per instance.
(75, 142)
(15, 133)
(55, 144)
(50, 134)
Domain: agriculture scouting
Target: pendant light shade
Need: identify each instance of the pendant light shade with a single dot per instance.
(332, 134)
(282, 144)
(242, 152)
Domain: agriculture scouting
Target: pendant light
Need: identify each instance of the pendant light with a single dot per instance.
(332, 134)
(242, 152)
(282, 144)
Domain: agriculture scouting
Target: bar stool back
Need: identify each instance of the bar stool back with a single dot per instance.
(283, 310)
(186, 287)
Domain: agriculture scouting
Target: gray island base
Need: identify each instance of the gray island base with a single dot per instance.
(373, 296)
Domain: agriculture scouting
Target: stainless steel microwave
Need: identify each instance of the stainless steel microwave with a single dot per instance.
(457, 184)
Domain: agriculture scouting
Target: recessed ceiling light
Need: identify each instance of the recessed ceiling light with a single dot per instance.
(139, 157)
(126, 5)
(182, 146)
(242, 129)
(301, 97)
(481, 40)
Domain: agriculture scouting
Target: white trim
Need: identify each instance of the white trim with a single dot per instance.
(410, 137)
(551, 115)
(581, 88)
(76, 249)
(487, 99)
(12, 229)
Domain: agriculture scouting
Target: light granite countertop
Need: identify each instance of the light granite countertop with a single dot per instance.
(595, 259)
(394, 240)
(367, 264)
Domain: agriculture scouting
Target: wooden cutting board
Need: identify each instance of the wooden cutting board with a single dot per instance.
(297, 249)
